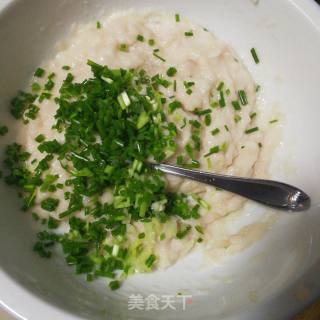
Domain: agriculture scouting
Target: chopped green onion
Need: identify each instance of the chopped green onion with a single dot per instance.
(195, 123)
(3, 130)
(254, 55)
(243, 97)
(182, 233)
(202, 112)
(215, 131)
(189, 33)
(35, 216)
(222, 101)
(189, 150)
(51, 75)
(237, 118)
(114, 285)
(159, 57)
(115, 250)
(251, 130)
(49, 204)
(212, 150)
(98, 25)
(142, 120)
(108, 169)
(151, 42)
(53, 223)
(171, 71)
(177, 16)
(108, 80)
(174, 105)
(184, 123)
(49, 85)
(220, 86)
(141, 235)
(35, 87)
(140, 37)
(124, 100)
(273, 121)
(199, 229)
(207, 120)
(40, 138)
(121, 202)
(124, 47)
(150, 261)
(39, 73)
(236, 105)
(214, 104)
(179, 160)
(253, 115)
(224, 147)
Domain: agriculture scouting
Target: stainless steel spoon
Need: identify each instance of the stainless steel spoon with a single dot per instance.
(268, 192)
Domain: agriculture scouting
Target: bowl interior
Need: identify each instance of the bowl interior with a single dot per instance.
(280, 270)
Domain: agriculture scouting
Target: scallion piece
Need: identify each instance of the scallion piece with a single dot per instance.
(207, 120)
(142, 120)
(159, 57)
(220, 86)
(39, 73)
(123, 47)
(243, 97)
(140, 37)
(254, 55)
(222, 101)
(3, 130)
(150, 261)
(171, 71)
(215, 131)
(151, 42)
(35, 87)
(237, 118)
(212, 150)
(253, 115)
(114, 285)
(251, 130)
(199, 229)
(141, 235)
(124, 100)
(188, 33)
(236, 105)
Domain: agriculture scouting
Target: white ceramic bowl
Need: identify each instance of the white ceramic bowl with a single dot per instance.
(271, 280)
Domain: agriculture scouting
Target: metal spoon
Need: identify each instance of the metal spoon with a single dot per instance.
(268, 192)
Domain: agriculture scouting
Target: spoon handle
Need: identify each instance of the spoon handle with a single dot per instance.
(268, 192)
